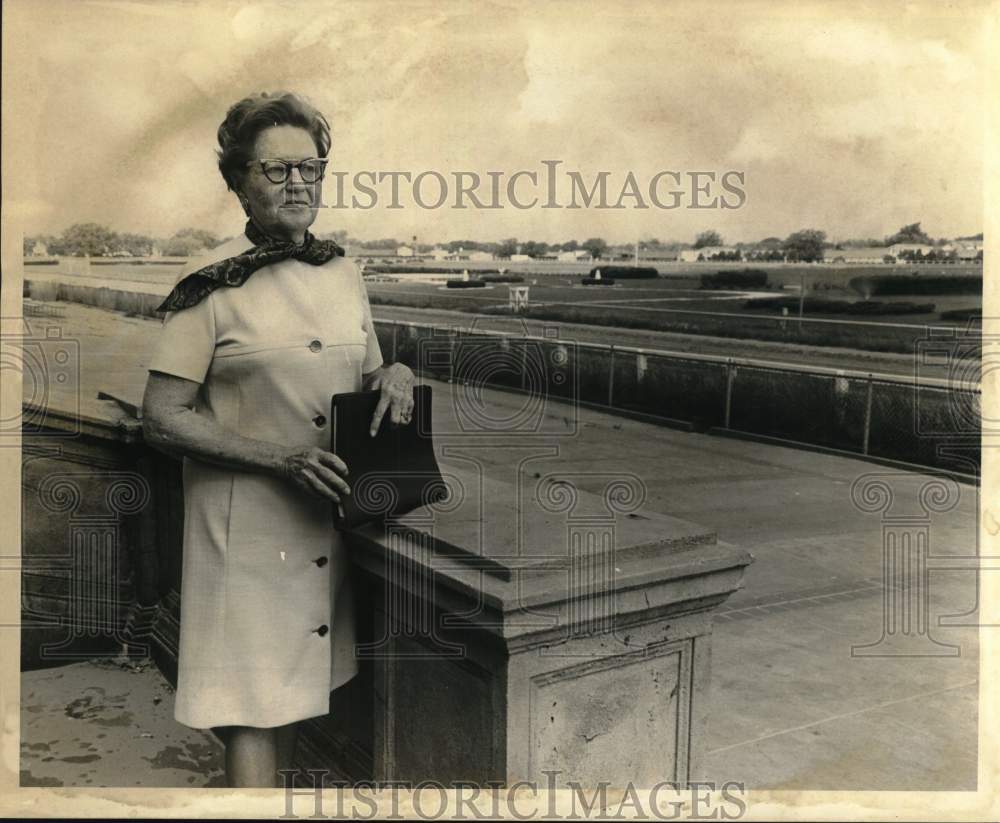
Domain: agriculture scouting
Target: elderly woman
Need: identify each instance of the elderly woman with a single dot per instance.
(257, 337)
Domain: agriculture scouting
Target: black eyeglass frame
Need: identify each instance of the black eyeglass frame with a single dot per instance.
(288, 165)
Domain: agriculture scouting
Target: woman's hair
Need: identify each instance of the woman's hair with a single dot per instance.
(248, 118)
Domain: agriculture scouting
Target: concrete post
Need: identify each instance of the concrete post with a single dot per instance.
(583, 624)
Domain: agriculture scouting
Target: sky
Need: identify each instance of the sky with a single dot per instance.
(854, 119)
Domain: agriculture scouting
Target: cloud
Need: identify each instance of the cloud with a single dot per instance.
(847, 124)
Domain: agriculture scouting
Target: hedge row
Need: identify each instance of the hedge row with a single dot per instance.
(626, 272)
(821, 305)
(741, 279)
(962, 314)
(465, 284)
(502, 278)
(885, 284)
(593, 281)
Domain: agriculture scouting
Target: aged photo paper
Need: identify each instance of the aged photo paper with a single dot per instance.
(650, 345)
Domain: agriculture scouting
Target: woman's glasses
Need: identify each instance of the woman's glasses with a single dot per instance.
(278, 171)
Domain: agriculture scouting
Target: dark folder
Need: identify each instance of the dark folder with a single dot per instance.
(391, 473)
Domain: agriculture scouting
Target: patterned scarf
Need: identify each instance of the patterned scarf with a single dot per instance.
(235, 271)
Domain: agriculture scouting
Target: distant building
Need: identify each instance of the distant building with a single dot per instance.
(439, 253)
(404, 251)
(520, 258)
(155, 251)
(658, 254)
(897, 249)
(968, 250)
(710, 253)
(480, 255)
(573, 256)
(861, 254)
(39, 249)
(964, 249)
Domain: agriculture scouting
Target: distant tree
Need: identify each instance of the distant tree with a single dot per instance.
(507, 247)
(187, 242)
(909, 234)
(862, 243)
(724, 256)
(54, 245)
(805, 245)
(707, 238)
(569, 245)
(463, 245)
(534, 248)
(88, 240)
(29, 244)
(596, 246)
(381, 243)
(137, 245)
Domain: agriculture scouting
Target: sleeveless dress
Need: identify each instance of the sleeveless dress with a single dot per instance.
(267, 621)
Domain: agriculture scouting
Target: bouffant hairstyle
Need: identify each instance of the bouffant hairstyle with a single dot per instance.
(248, 118)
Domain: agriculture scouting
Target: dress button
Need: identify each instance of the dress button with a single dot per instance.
(320, 561)
(322, 630)
(316, 345)
(319, 420)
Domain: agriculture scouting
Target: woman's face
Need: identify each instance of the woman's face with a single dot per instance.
(282, 210)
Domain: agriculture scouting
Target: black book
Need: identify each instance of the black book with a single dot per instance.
(391, 473)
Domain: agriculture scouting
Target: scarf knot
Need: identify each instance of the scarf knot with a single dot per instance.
(234, 271)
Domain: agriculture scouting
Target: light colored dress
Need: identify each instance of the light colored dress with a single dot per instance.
(267, 621)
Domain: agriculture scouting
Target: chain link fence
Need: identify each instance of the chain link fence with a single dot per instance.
(926, 422)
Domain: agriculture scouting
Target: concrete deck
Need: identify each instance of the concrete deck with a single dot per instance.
(791, 706)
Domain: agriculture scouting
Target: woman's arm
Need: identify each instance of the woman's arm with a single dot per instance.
(171, 424)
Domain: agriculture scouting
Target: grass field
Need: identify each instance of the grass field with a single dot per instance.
(650, 297)
(673, 302)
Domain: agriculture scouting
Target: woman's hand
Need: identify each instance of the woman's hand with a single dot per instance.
(395, 382)
(316, 471)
